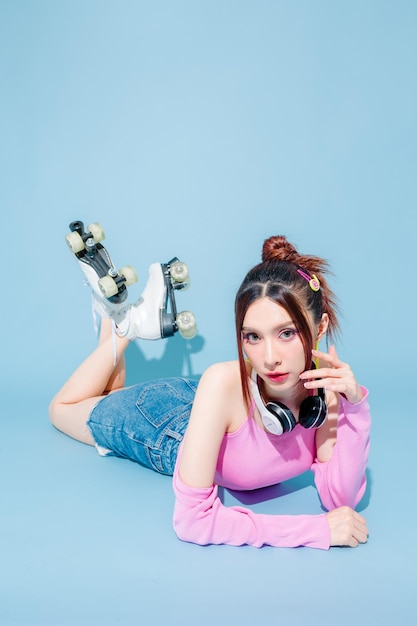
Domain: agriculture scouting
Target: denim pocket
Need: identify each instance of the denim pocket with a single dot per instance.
(146, 422)
(163, 400)
(164, 408)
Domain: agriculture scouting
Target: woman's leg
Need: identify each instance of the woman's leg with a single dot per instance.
(104, 370)
(101, 373)
(118, 376)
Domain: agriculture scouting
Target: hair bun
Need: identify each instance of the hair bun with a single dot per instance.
(277, 248)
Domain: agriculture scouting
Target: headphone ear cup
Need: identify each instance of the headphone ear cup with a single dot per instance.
(276, 417)
(313, 411)
(282, 414)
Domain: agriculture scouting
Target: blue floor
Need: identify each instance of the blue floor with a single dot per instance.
(198, 129)
(87, 540)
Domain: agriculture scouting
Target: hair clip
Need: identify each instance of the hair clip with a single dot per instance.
(312, 280)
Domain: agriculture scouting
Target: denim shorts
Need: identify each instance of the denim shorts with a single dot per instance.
(145, 422)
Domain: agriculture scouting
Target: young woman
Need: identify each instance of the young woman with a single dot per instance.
(282, 408)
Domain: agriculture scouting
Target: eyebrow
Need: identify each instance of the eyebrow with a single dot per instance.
(289, 324)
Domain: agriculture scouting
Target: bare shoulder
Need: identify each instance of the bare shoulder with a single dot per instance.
(218, 392)
(223, 375)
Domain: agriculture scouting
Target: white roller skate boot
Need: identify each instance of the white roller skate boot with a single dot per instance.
(155, 315)
(108, 285)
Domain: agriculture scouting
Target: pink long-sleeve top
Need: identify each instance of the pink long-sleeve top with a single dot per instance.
(251, 458)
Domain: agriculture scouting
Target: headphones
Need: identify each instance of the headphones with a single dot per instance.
(278, 419)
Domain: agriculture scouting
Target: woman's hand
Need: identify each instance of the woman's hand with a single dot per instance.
(347, 527)
(337, 376)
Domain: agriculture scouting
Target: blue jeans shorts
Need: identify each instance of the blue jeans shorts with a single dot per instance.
(145, 422)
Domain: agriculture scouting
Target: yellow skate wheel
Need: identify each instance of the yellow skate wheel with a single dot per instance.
(179, 272)
(129, 274)
(97, 232)
(108, 286)
(75, 242)
(186, 324)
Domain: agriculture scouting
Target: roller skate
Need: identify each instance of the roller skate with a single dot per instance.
(154, 315)
(109, 286)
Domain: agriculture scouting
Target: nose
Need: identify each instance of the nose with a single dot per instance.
(271, 355)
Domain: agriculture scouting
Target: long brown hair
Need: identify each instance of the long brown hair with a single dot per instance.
(278, 277)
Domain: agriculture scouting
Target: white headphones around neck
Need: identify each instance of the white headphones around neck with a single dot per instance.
(278, 419)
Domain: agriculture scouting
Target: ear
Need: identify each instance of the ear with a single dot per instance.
(323, 326)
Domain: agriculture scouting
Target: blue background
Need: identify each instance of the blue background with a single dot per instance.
(198, 129)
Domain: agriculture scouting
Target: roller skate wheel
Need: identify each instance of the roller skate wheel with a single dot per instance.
(129, 274)
(108, 286)
(75, 242)
(186, 324)
(179, 272)
(97, 231)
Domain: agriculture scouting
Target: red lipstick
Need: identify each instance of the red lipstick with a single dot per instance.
(278, 377)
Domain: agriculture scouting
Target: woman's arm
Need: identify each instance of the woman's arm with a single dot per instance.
(209, 420)
(341, 480)
(199, 515)
(342, 443)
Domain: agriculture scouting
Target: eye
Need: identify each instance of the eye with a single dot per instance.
(250, 338)
(288, 334)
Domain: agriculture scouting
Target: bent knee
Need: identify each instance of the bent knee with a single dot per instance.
(71, 419)
(59, 415)
(53, 411)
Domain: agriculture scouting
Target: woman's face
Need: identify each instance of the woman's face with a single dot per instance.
(273, 346)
